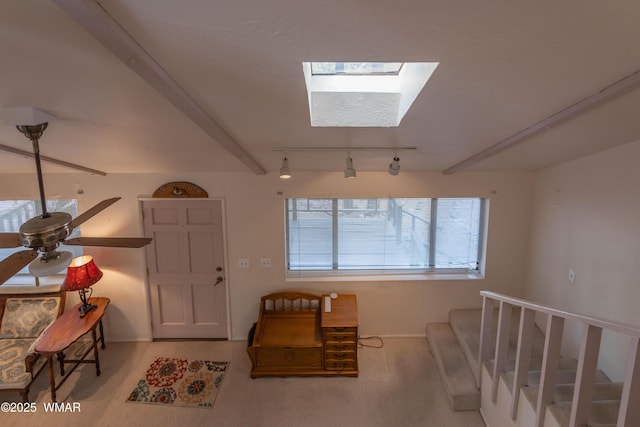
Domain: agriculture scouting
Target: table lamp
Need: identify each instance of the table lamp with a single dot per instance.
(81, 274)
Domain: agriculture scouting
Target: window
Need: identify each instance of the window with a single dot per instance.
(356, 68)
(13, 213)
(384, 235)
(367, 94)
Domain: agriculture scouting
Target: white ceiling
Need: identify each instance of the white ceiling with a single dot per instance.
(504, 66)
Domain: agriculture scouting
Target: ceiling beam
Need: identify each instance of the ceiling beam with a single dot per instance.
(285, 149)
(608, 94)
(51, 160)
(101, 25)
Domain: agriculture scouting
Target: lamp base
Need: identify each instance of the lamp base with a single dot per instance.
(86, 308)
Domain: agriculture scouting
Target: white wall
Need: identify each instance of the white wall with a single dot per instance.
(586, 217)
(255, 229)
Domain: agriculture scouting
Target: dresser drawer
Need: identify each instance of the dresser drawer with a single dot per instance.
(339, 365)
(340, 346)
(340, 356)
(340, 338)
(289, 357)
(345, 329)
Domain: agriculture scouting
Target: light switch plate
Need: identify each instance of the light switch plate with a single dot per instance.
(243, 263)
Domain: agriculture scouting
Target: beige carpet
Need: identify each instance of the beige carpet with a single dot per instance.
(398, 386)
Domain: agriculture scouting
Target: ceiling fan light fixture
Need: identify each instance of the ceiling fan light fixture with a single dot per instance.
(33, 132)
(349, 171)
(47, 266)
(285, 172)
(394, 166)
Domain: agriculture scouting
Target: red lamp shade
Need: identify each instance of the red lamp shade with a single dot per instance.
(81, 274)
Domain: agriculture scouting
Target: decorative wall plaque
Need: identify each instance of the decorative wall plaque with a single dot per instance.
(180, 189)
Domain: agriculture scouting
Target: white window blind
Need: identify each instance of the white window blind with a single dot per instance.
(398, 234)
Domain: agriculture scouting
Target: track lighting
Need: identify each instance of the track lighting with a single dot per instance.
(349, 171)
(394, 167)
(285, 173)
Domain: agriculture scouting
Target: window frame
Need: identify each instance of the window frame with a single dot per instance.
(419, 273)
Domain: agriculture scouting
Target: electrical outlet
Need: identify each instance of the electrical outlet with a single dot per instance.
(265, 262)
(572, 276)
(243, 263)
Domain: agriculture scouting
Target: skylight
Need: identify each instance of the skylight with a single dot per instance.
(356, 68)
(363, 94)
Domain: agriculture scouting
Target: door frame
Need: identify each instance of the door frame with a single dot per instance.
(225, 252)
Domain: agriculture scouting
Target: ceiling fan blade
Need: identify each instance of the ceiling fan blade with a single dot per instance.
(93, 211)
(14, 263)
(111, 242)
(10, 240)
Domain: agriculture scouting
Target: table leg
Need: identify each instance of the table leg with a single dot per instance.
(101, 334)
(61, 360)
(52, 379)
(95, 351)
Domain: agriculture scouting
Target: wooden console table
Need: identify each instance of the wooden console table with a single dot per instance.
(65, 331)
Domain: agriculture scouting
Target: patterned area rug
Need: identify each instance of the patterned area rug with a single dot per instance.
(180, 382)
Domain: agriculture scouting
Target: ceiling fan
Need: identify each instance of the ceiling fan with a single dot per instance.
(44, 233)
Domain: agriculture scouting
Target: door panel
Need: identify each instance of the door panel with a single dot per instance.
(202, 313)
(184, 260)
(197, 216)
(165, 216)
(170, 312)
(167, 251)
(201, 252)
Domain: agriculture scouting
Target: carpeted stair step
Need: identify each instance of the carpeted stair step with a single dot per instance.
(564, 392)
(466, 325)
(534, 365)
(457, 378)
(565, 376)
(603, 412)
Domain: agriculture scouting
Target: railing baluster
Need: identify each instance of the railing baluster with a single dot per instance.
(486, 326)
(502, 346)
(550, 361)
(523, 357)
(629, 415)
(585, 376)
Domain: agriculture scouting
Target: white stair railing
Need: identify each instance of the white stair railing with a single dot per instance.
(629, 414)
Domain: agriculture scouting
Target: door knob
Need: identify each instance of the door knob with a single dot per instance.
(218, 280)
(218, 268)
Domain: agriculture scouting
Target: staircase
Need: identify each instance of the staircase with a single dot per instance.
(482, 355)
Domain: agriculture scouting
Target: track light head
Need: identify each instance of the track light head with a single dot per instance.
(349, 171)
(285, 173)
(394, 166)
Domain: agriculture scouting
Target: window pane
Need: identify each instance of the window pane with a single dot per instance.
(310, 234)
(457, 233)
(356, 68)
(414, 230)
(364, 237)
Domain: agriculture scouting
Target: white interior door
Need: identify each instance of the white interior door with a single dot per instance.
(186, 268)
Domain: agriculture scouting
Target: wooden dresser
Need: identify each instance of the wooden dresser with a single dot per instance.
(297, 334)
(340, 334)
